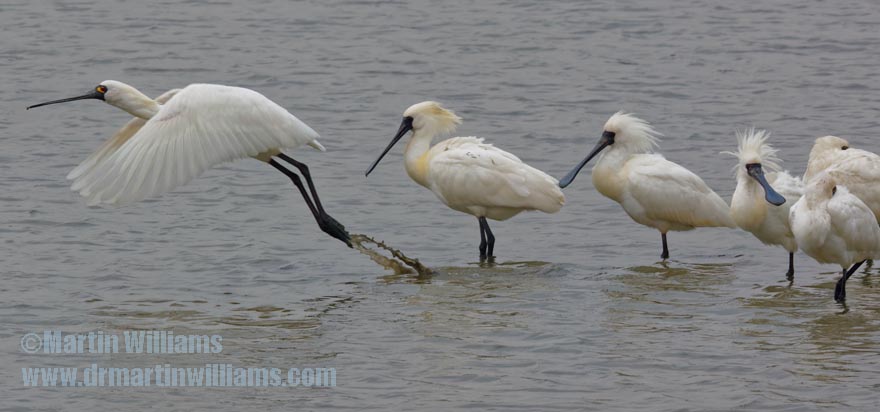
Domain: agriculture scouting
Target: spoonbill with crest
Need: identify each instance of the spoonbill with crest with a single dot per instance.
(760, 203)
(652, 190)
(468, 175)
(184, 132)
(832, 225)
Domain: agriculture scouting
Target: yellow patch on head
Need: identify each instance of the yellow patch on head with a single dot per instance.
(101, 89)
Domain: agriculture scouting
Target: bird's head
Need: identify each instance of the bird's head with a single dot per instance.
(118, 94)
(829, 144)
(426, 118)
(823, 154)
(431, 117)
(622, 132)
(755, 155)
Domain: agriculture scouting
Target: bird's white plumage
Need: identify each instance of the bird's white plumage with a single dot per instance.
(651, 189)
(748, 206)
(112, 144)
(858, 170)
(201, 126)
(478, 178)
(472, 176)
(832, 225)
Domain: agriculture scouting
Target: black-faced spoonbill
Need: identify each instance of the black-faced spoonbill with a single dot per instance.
(468, 175)
(184, 132)
(760, 203)
(858, 170)
(832, 225)
(652, 190)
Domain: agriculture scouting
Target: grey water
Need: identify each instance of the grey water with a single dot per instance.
(578, 313)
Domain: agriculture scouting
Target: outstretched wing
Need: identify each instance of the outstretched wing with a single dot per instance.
(201, 126)
(667, 191)
(110, 146)
(467, 172)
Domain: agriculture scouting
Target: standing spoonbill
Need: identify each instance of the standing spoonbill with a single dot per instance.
(756, 206)
(468, 175)
(184, 132)
(834, 226)
(858, 170)
(652, 190)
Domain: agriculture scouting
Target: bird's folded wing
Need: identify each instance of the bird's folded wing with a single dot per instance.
(110, 146)
(856, 166)
(476, 173)
(853, 221)
(668, 191)
(191, 133)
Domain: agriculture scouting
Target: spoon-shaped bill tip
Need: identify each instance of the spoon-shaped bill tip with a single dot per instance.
(770, 195)
(606, 140)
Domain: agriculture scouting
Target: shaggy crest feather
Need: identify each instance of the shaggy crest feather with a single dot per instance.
(432, 117)
(753, 148)
(632, 132)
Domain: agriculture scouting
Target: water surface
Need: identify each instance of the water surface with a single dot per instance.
(577, 314)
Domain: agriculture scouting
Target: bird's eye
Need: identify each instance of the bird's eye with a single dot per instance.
(101, 89)
(844, 148)
(833, 190)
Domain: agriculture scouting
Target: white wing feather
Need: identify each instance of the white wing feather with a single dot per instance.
(467, 172)
(200, 127)
(859, 171)
(669, 192)
(854, 222)
(112, 144)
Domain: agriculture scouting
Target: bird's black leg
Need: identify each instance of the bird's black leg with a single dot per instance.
(325, 222)
(482, 239)
(790, 274)
(840, 289)
(328, 220)
(304, 170)
(490, 238)
(665, 254)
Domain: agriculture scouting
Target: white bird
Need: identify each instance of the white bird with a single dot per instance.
(471, 176)
(652, 190)
(760, 204)
(834, 226)
(186, 131)
(858, 170)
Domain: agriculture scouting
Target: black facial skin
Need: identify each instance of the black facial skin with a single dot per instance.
(606, 140)
(754, 170)
(98, 93)
(405, 126)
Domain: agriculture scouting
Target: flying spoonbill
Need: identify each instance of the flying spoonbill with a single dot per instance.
(858, 170)
(652, 190)
(834, 226)
(760, 203)
(184, 132)
(468, 175)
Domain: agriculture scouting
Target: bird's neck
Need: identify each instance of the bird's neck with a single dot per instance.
(606, 175)
(138, 104)
(416, 156)
(817, 163)
(748, 208)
